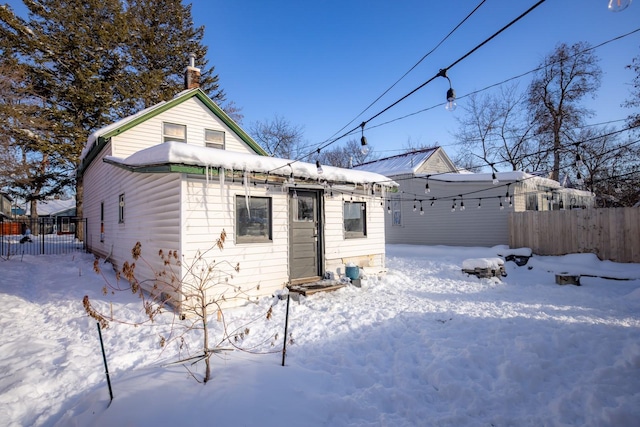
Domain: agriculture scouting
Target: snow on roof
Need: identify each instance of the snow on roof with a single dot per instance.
(180, 153)
(50, 207)
(406, 163)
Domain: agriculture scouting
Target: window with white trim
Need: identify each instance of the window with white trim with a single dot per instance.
(121, 208)
(253, 219)
(214, 138)
(355, 219)
(174, 132)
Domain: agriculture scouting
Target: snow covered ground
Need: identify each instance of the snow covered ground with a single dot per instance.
(426, 345)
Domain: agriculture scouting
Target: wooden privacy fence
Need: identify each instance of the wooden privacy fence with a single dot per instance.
(611, 233)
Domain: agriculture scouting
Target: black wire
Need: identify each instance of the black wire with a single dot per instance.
(441, 73)
(411, 69)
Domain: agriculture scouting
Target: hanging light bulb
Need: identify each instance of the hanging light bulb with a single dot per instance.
(433, 200)
(427, 190)
(451, 94)
(421, 210)
(451, 100)
(501, 205)
(579, 179)
(507, 197)
(453, 206)
(319, 167)
(579, 161)
(389, 208)
(461, 204)
(295, 194)
(618, 5)
(479, 203)
(494, 178)
(415, 206)
(364, 148)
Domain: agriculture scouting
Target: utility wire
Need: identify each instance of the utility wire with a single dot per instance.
(411, 69)
(441, 73)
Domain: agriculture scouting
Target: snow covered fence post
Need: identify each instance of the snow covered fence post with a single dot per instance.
(104, 358)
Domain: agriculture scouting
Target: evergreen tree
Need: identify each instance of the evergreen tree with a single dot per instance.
(162, 35)
(86, 64)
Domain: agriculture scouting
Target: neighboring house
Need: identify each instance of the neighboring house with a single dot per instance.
(175, 175)
(63, 212)
(436, 205)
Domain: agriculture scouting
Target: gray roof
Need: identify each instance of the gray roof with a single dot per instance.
(407, 163)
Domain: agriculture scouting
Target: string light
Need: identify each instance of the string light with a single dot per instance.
(507, 197)
(364, 148)
(479, 203)
(427, 190)
(501, 205)
(618, 5)
(319, 167)
(421, 210)
(453, 206)
(461, 203)
(415, 207)
(451, 94)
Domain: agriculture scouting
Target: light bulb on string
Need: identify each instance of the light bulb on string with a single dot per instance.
(579, 161)
(364, 148)
(479, 203)
(501, 205)
(421, 210)
(579, 179)
(451, 94)
(427, 190)
(618, 5)
(453, 206)
(507, 197)
(461, 204)
(415, 206)
(433, 201)
(319, 167)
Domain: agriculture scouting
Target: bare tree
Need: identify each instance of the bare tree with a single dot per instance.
(348, 155)
(495, 130)
(279, 137)
(634, 100)
(195, 298)
(564, 78)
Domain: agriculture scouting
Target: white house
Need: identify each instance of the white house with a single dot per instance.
(175, 175)
(437, 205)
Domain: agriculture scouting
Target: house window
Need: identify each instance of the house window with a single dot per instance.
(355, 224)
(253, 219)
(102, 221)
(396, 212)
(214, 138)
(174, 132)
(121, 208)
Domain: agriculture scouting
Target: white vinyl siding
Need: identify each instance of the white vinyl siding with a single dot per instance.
(152, 213)
(209, 209)
(191, 112)
(365, 252)
(487, 226)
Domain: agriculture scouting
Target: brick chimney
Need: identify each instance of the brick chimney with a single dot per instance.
(192, 74)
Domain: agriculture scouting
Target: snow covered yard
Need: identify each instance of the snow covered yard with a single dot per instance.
(424, 346)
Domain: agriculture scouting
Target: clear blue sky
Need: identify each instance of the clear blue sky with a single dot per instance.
(318, 64)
